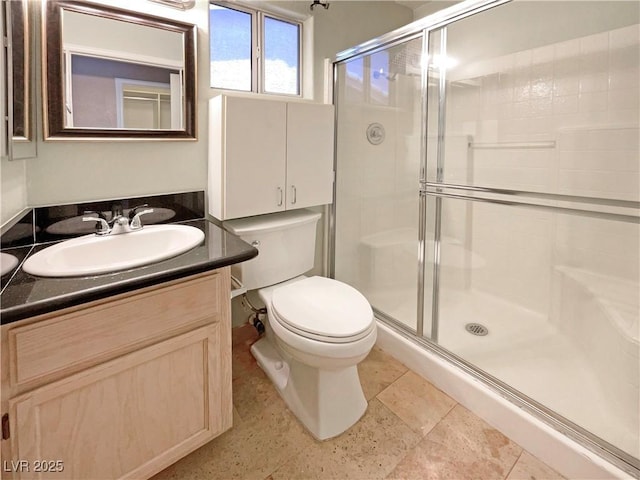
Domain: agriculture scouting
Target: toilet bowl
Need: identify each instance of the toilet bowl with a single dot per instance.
(317, 329)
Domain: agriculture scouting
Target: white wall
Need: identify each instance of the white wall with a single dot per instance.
(13, 185)
(431, 7)
(114, 35)
(66, 171)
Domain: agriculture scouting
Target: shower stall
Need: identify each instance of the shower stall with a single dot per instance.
(488, 201)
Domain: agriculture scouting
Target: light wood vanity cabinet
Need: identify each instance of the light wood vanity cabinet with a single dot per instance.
(121, 387)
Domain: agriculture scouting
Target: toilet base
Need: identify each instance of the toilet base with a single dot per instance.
(327, 402)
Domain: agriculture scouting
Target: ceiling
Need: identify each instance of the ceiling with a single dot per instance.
(412, 4)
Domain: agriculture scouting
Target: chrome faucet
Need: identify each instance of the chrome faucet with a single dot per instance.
(119, 223)
(116, 212)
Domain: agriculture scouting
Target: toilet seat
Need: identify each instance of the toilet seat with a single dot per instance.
(323, 309)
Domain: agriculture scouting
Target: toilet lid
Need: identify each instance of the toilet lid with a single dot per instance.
(322, 307)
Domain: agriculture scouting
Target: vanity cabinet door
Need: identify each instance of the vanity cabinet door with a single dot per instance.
(129, 417)
(310, 134)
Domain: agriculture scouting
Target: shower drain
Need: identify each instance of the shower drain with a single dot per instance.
(476, 329)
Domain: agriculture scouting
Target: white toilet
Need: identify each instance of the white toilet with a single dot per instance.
(318, 328)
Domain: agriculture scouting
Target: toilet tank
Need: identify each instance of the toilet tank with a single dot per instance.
(286, 242)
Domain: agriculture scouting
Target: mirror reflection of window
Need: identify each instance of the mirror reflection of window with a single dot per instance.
(354, 80)
(380, 77)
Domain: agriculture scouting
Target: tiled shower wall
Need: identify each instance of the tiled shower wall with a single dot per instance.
(582, 94)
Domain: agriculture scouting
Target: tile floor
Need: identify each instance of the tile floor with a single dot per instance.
(411, 430)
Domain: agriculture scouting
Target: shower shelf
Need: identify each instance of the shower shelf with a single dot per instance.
(513, 145)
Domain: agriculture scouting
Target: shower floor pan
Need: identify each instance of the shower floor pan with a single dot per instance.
(527, 351)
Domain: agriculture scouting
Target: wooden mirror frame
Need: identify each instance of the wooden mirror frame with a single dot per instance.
(53, 76)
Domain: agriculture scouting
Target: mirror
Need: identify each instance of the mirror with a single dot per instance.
(21, 69)
(17, 80)
(112, 73)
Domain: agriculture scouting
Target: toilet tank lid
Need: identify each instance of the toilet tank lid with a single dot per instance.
(270, 222)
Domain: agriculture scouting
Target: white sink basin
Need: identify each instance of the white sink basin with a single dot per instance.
(93, 254)
(7, 263)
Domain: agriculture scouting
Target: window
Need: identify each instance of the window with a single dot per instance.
(230, 43)
(253, 51)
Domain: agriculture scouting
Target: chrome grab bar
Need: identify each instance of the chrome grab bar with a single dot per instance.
(513, 145)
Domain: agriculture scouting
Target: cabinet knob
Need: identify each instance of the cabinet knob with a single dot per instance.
(294, 196)
(280, 198)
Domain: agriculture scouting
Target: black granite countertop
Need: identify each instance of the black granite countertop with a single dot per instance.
(25, 295)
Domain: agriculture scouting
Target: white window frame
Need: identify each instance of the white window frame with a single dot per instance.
(257, 50)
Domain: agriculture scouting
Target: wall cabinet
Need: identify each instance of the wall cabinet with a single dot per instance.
(267, 156)
(149, 381)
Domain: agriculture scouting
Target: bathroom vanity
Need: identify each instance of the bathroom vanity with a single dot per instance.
(120, 375)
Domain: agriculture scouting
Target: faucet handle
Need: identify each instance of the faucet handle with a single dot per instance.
(94, 212)
(133, 212)
(136, 224)
(102, 227)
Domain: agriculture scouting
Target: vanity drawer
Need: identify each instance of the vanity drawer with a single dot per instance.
(73, 341)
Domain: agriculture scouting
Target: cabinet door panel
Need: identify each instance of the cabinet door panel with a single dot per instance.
(130, 417)
(88, 336)
(310, 132)
(255, 156)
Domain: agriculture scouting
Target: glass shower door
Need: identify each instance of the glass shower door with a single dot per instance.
(379, 140)
(532, 193)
